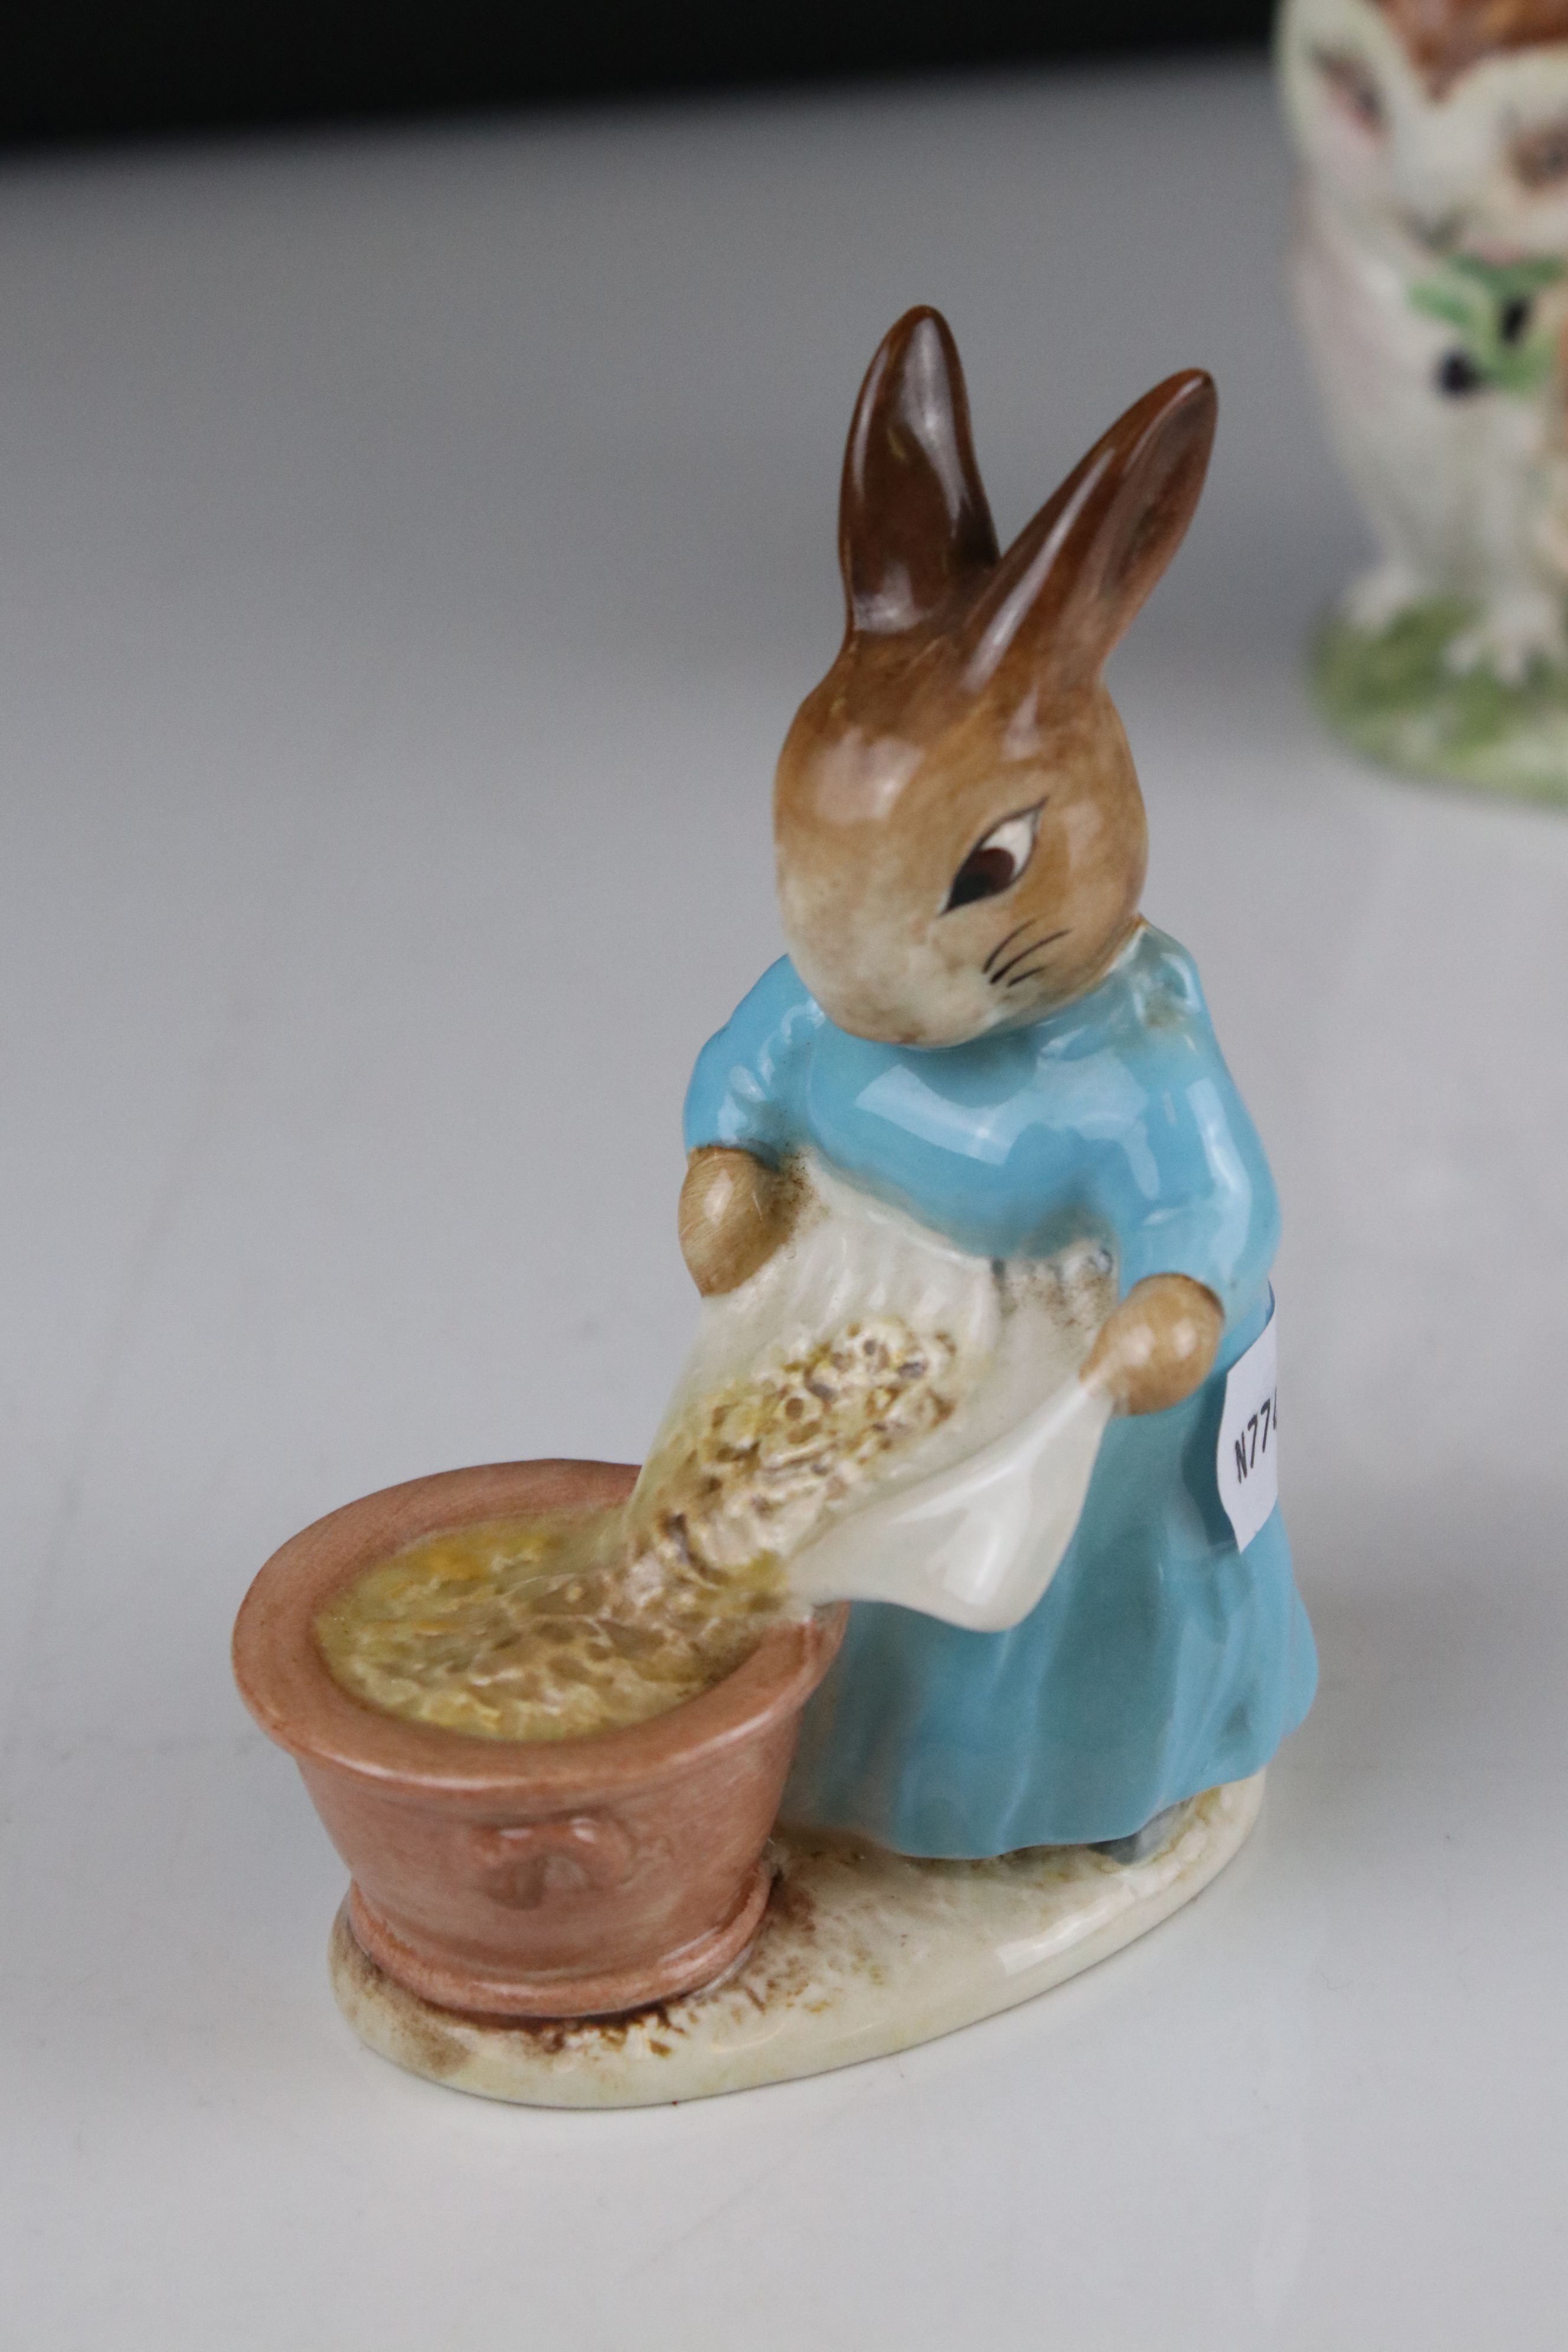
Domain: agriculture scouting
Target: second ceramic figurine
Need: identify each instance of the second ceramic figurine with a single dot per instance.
(1431, 275)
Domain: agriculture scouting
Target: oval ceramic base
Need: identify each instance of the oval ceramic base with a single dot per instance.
(1391, 695)
(860, 1952)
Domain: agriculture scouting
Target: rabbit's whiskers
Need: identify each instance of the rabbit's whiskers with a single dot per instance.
(1032, 947)
(1007, 937)
(1001, 970)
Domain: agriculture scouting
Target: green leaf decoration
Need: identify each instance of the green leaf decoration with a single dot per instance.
(1455, 308)
(1522, 368)
(1472, 295)
(1505, 280)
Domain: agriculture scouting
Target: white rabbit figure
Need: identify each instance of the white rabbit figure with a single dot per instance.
(1431, 278)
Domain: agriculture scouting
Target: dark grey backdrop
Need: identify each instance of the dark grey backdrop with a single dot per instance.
(88, 69)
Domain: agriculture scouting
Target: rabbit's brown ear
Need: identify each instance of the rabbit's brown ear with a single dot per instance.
(913, 517)
(1072, 582)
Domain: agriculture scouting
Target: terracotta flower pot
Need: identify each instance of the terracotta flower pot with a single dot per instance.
(527, 1878)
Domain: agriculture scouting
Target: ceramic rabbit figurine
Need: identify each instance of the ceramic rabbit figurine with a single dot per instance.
(976, 1024)
(1431, 278)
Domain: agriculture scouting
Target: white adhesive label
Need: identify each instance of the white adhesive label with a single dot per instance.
(1249, 1458)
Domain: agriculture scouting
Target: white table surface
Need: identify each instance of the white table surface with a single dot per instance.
(412, 549)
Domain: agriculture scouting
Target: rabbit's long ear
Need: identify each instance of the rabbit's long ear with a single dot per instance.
(1072, 582)
(913, 517)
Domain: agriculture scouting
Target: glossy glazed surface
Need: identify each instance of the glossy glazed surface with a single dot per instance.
(1115, 1116)
(1161, 1660)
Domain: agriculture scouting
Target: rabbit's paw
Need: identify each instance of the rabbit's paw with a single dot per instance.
(734, 1213)
(1512, 633)
(1158, 1346)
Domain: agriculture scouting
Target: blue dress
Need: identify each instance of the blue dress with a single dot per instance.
(1161, 1659)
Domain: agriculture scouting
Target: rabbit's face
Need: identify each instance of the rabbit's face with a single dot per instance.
(960, 834)
(1439, 126)
(947, 871)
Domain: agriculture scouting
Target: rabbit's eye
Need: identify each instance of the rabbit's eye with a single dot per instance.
(995, 862)
(1541, 156)
(1351, 86)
